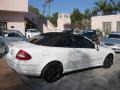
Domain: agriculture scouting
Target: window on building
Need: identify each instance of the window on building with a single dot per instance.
(66, 16)
(118, 26)
(3, 25)
(60, 16)
(107, 27)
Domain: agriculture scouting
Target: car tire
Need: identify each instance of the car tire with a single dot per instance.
(52, 72)
(108, 61)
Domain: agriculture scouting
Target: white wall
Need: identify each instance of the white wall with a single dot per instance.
(96, 22)
(14, 5)
(13, 19)
(62, 20)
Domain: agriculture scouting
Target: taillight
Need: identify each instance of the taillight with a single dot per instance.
(22, 55)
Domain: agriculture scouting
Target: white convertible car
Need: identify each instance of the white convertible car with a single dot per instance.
(50, 55)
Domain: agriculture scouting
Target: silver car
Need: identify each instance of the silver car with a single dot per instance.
(3, 47)
(12, 36)
(112, 41)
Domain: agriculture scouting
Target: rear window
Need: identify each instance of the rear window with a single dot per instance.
(45, 40)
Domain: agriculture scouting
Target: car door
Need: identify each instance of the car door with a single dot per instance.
(85, 52)
(3, 48)
(65, 45)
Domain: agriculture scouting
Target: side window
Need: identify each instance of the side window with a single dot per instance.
(65, 42)
(13, 35)
(88, 44)
(0, 33)
(83, 43)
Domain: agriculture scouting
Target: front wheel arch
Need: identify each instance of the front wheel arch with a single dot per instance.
(108, 61)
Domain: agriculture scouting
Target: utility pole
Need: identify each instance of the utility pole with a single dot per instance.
(44, 5)
(48, 2)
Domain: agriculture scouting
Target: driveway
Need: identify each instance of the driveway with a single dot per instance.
(10, 80)
(90, 79)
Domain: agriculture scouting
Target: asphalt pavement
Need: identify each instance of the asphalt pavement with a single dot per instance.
(89, 79)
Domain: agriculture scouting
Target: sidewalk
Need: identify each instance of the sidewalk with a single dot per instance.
(10, 80)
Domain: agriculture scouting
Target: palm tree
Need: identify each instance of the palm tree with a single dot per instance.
(109, 9)
(116, 6)
(101, 6)
(94, 11)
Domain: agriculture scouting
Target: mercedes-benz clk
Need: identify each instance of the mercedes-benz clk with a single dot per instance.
(50, 55)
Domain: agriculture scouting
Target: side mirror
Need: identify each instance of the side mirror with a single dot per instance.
(3, 48)
(97, 47)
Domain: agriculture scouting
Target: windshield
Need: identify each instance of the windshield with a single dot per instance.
(88, 34)
(114, 36)
(35, 30)
(12, 34)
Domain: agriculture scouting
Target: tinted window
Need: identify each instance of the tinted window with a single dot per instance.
(52, 40)
(12, 34)
(33, 30)
(114, 36)
(45, 40)
(65, 42)
(0, 33)
(82, 43)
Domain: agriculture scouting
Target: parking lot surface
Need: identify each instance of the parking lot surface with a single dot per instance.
(90, 79)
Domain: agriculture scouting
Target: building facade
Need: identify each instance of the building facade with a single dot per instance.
(12, 14)
(38, 22)
(63, 20)
(107, 24)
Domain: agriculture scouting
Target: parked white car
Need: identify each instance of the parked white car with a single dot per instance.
(31, 33)
(50, 55)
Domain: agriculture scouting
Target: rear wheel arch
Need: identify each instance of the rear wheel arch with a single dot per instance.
(54, 61)
(48, 66)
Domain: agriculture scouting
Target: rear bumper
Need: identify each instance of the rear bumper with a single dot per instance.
(33, 70)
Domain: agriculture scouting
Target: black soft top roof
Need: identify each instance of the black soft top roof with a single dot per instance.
(57, 34)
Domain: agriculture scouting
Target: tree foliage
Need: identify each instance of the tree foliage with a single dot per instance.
(76, 19)
(108, 7)
(53, 19)
(34, 10)
(83, 20)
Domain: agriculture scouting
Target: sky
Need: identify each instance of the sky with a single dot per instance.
(64, 6)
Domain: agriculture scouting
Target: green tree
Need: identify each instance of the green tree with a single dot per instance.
(54, 18)
(34, 10)
(108, 7)
(76, 19)
(101, 6)
(94, 11)
(115, 6)
(86, 21)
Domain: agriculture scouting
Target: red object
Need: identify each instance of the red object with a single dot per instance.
(22, 55)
